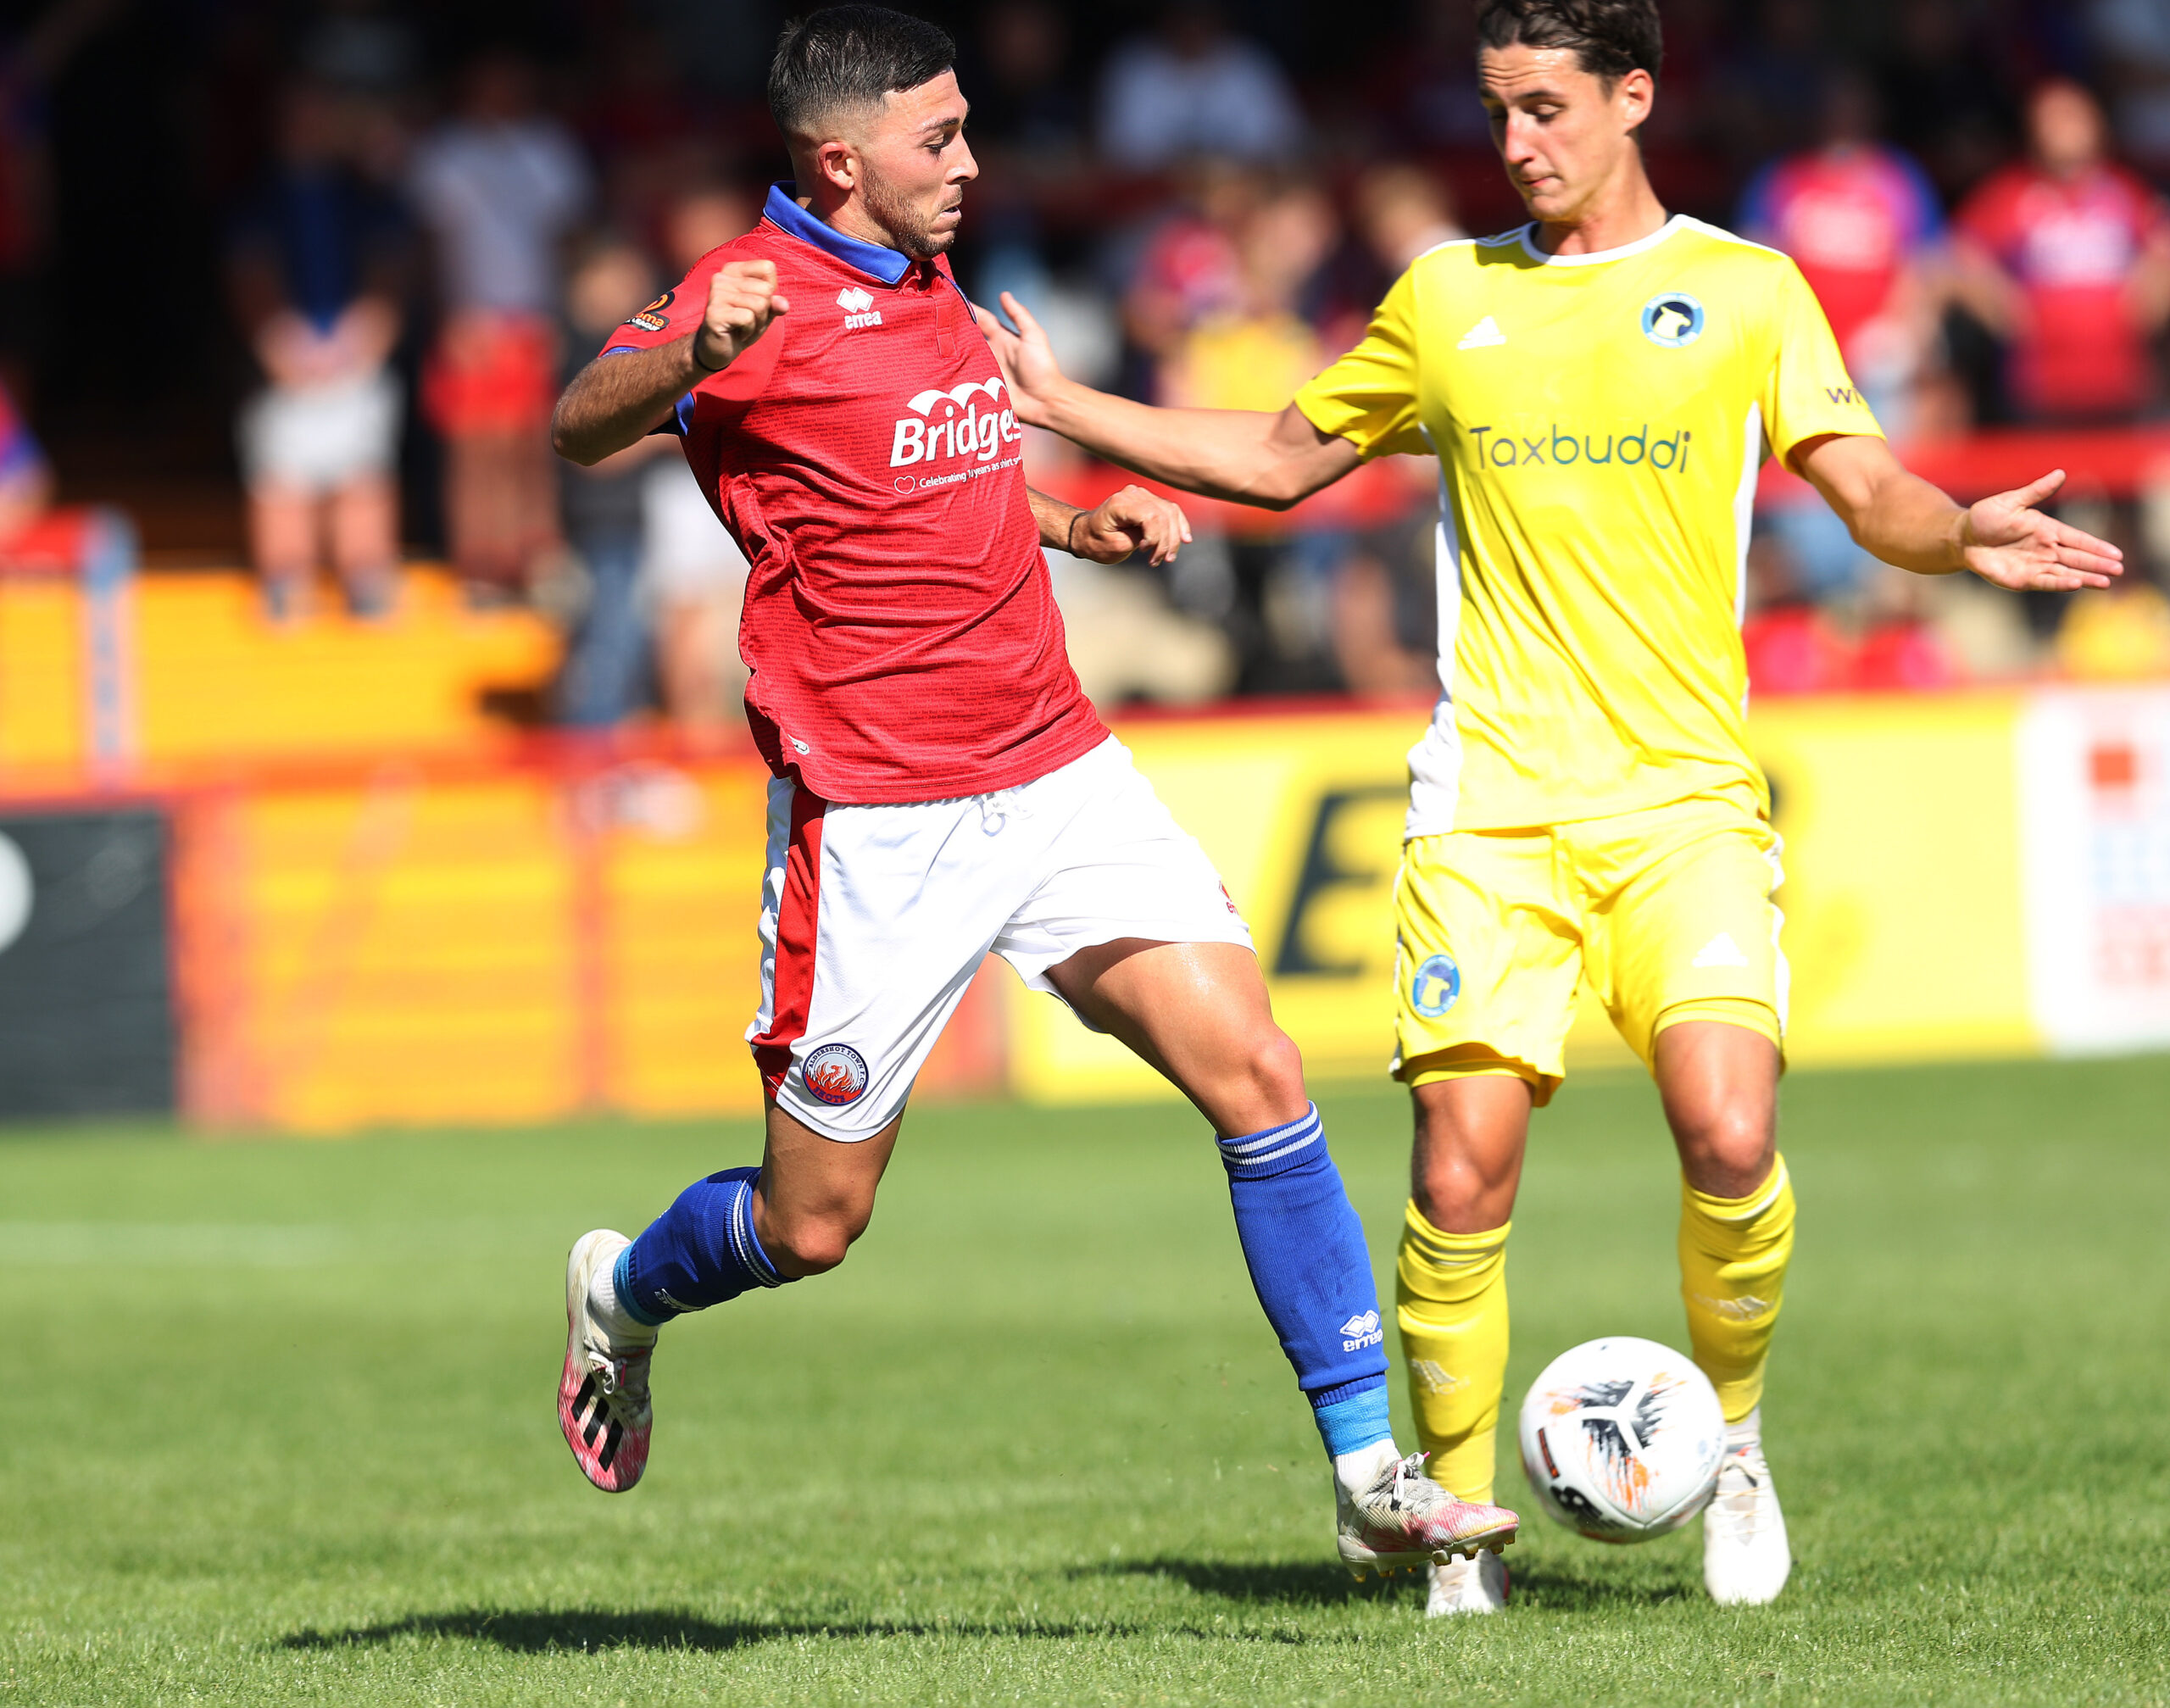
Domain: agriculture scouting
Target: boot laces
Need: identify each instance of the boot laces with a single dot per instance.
(1744, 1482)
(1412, 1491)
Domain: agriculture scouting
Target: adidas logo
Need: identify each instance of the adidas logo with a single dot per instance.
(1360, 1332)
(1482, 335)
(1721, 951)
(859, 309)
(1432, 1377)
(591, 1415)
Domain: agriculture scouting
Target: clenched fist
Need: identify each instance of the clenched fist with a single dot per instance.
(1126, 521)
(743, 299)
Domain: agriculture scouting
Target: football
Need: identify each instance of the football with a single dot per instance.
(1623, 1438)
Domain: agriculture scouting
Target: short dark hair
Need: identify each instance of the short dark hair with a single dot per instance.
(1610, 37)
(851, 56)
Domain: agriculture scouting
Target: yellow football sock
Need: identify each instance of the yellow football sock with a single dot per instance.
(1450, 1299)
(1733, 1274)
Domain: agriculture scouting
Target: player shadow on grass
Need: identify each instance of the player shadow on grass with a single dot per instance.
(540, 1631)
(1305, 1583)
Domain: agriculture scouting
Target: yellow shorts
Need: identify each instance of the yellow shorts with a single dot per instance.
(1666, 911)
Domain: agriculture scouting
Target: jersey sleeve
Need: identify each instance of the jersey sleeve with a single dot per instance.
(1807, 393)
(671, 315)
(1369, 396)
(677, 312)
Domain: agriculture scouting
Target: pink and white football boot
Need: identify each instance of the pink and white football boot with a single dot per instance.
(602, 1403)
(1404, 1522)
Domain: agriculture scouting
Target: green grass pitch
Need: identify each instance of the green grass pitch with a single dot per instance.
(279, 1422)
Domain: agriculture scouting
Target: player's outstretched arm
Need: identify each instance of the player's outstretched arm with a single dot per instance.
(617, 399)
(1902, 519)
(1246, 456)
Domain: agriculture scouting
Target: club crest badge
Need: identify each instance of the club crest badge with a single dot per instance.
(1438, 983)
(834, 1074)
(1673, 319)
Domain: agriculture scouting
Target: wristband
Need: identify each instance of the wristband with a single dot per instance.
(698, 362)
(1069, 534)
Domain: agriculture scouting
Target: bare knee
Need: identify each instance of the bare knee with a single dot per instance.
(1274, 1067)
(1727, 1149)
(810, 1242)
(1467, 1162)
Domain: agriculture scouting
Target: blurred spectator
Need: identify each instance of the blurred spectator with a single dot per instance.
(26, 477)
(649, 134)
(2120, 635)
(1397, 212)
(1425, 80)
(1792, 647)
(2131, 41)
(1191, 267)
(361, 47)
(1191, 88)
(1021, 100)
(316, 264)
(1776, 76)
(498, 186)
(1253, 352)
(1862, 222)
(694, 571)
(1901, 651)
(1278, 600)
(1946, 97)
(2067, 256)
(606, 667)
(1126, 643)
(1386, 600)
(31, 59)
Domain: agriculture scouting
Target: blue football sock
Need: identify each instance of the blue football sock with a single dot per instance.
(700, 1252)
(1312, 1272)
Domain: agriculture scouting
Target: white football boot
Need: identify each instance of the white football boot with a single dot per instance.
(1746, 1559)
(603, 1399)
(1400, 1520)
(1477, 1585)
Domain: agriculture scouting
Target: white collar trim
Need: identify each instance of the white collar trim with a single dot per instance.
(1599, 257)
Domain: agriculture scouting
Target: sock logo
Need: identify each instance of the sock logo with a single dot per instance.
(1433, 1378)
(835, 1074)
(1360, 1332)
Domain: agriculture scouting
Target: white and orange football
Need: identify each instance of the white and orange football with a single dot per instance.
(1622, 1439)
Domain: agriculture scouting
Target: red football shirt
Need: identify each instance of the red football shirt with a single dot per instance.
(900, 629)
(2072, 245)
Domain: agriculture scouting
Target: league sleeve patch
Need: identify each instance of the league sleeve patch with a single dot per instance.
(656, 316)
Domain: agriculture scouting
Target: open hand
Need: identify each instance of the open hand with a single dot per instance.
(2009, 543)
(1125, 521)
(743, 300)
(1027, 361)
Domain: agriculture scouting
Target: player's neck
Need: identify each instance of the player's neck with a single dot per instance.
(1625, 211)
(848, 217)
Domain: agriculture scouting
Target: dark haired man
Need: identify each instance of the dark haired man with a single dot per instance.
(942, 787)
(1599, 386)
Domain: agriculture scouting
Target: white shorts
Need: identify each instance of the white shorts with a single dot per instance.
(875, 918)
(319, 438)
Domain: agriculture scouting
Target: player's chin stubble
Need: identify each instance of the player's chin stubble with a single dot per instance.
(907, 226)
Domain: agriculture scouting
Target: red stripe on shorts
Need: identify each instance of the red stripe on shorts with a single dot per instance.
(798, 916)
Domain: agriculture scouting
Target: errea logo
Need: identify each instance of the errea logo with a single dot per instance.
(1360, 1332)
(962, 421)
(859, 309)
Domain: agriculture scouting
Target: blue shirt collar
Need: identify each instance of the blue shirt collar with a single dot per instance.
(782, 211)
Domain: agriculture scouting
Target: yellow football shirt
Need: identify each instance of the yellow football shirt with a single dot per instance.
(1598, 421)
